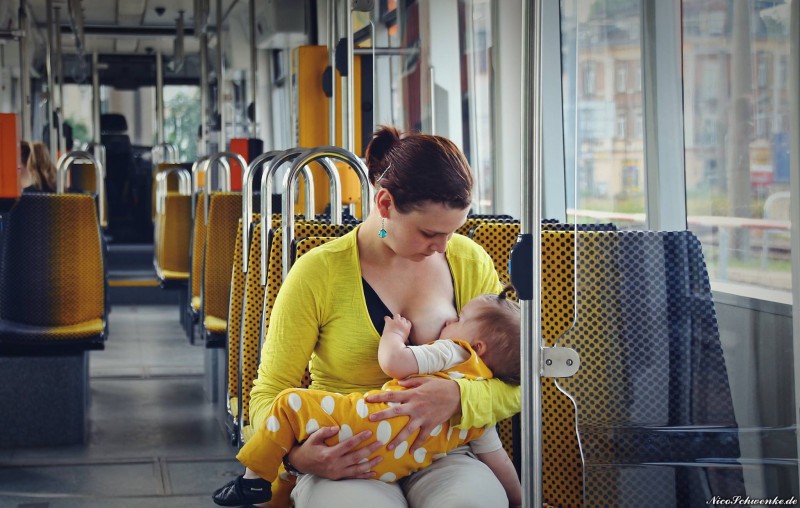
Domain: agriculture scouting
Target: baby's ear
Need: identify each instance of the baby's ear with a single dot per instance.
(480, 347)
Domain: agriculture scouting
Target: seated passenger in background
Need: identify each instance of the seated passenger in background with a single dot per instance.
(25, 179)
(483, 342)
(41, 169)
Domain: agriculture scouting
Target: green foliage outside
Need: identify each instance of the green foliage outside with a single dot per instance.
(80, 132)
(182, 118)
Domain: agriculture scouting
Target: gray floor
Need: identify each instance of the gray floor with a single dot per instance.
(155, 439)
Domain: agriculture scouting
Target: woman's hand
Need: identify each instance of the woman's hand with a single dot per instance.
(427, 401)
(335, 462)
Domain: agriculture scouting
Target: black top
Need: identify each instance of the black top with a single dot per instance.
(375, 307)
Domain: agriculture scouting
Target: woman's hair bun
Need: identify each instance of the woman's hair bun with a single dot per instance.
(382, 141)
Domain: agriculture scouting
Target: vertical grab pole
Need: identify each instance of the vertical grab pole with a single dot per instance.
(24, 73)
(159, 98)
(332, 63)
(60, 77)
(220, 82)
(529, 282)
(203, 141)
(253, 67)
(51, 111)
(95, 100)
(348, 108)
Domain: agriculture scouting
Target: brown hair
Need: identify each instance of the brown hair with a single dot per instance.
(24, 152)
(416, 168)
(41, 168)
(500, 328)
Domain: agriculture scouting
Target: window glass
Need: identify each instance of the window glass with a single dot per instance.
(601, 77)
(182, 118)
(736, 110)
(443, 84)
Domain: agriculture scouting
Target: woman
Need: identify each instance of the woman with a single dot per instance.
(24, 154)
(402, 259)
(41, 169)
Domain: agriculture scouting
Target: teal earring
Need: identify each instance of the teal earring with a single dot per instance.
(382, 232)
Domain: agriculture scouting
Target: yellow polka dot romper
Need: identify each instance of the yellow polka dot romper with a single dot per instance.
(297, 413)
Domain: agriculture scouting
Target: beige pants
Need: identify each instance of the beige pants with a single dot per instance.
(458, 481)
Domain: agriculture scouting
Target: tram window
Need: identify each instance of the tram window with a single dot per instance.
(601, 80)
(737, 156)
(182, 114)
(79, 117)
(457, 55)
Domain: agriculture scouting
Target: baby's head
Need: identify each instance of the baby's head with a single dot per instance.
(491, 325)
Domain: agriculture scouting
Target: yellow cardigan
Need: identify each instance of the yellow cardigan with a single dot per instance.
(321, 314)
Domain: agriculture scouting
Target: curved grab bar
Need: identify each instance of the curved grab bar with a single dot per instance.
(334, 189)
(168, 154)
(199, 166)
(247, 199)
(226, 169)
(266, 203)
(66, 160)
(184, 185)
(308, 179)
(325, 153)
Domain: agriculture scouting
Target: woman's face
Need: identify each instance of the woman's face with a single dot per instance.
(423, 231)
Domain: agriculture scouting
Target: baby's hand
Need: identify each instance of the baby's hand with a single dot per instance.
(399, 325)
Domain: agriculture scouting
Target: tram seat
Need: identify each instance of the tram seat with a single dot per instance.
(224, 212)
(52, 312)
(281, 489)
(253, 336)
(172, 181)
(654, 410)
(120, 162)
(561, 463)
(114, 136)
(84, 179)
(236, 307)
(663, 423)
(243, 362)
(198, 243)
(173, 238)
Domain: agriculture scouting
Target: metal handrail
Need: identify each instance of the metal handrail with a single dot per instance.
(225, 181)
(325, 153)
(199, 166)
(267, 185)
(184, 185)
(66, 160)
(168, 154)
(248, 176)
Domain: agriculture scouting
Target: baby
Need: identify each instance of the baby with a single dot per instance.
(482, 342)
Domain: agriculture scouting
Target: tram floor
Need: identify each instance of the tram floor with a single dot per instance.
(154, 437)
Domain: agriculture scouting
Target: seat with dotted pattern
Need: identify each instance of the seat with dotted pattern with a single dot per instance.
(562, 481)
(224, 213)
(52, 276)
(251, 341)
(173, 238)
(654, 408)
(198, 243)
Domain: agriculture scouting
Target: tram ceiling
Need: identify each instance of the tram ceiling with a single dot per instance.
(123, 26)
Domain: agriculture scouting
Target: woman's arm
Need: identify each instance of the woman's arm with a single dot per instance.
(487, 402)
(298, 315)
(290, 338)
